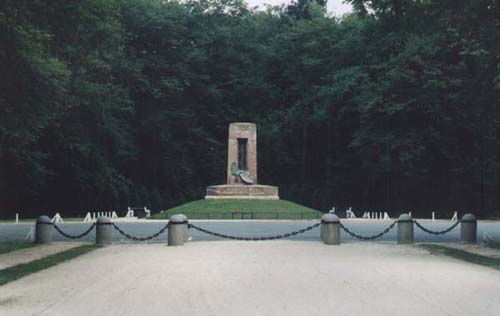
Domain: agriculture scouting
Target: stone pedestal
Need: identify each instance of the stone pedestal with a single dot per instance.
(242, 168)
(229, 191)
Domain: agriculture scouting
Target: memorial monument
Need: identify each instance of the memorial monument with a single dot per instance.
(242, 168)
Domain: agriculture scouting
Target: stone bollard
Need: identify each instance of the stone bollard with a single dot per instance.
(185, 230)
(103, 233)
(405, 229)
(43, 230)
(330, 229)
(177, 230)
(468, 229)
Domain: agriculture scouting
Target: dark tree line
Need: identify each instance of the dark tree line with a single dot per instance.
(111, 103)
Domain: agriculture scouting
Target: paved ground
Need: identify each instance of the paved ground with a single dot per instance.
(29, 254)
(17, 232)
(257, 278)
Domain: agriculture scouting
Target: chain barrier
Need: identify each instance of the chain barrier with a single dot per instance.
(385, 231)
(141, 238)
(441, 232)
(85, 233)
(300, 231)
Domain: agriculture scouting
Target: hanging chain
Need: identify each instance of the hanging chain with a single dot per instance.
(385, 231)
(85, 233)
(300, 231)
(441, 232)
(141, 238)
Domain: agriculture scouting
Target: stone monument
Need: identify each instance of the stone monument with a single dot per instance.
(242, 168)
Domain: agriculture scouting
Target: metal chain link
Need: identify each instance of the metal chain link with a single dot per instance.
(85, 233)
(300, 231)
(385, 231)
(140, 238)
(441, 232)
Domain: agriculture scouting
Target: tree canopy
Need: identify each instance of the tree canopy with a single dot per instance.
(112, 103)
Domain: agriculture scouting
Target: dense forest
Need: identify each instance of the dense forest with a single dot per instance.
(106, 104)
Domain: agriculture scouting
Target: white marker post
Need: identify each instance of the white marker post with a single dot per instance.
(88, 218)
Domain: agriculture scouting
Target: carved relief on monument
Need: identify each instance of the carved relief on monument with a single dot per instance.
(242, 154)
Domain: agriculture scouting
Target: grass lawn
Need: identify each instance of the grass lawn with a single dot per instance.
(495, 245)
(229, 209)
(463, 255)
(11, 246)
(21, 270)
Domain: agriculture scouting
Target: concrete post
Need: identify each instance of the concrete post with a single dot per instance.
(177, 230)
(103, 233)
(468, 229)
(405, 229)
(43, 230)
(330, 229)
(185, 230)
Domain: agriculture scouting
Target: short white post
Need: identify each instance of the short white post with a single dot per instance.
(433, 216)
(17, 218)
(30, 236)
(87, 218)
(57, 218)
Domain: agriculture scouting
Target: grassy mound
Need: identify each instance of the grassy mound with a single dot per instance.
(238, 209)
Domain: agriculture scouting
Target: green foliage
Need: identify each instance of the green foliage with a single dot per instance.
(108, 104)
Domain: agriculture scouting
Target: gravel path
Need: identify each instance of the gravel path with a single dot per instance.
(256, 278)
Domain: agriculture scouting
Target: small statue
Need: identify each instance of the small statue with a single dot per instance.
(244, 175)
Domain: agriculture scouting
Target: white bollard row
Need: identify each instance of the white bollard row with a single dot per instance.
(92, 217)
(381, 216)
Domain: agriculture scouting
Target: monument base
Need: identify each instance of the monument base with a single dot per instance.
(240, 191)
